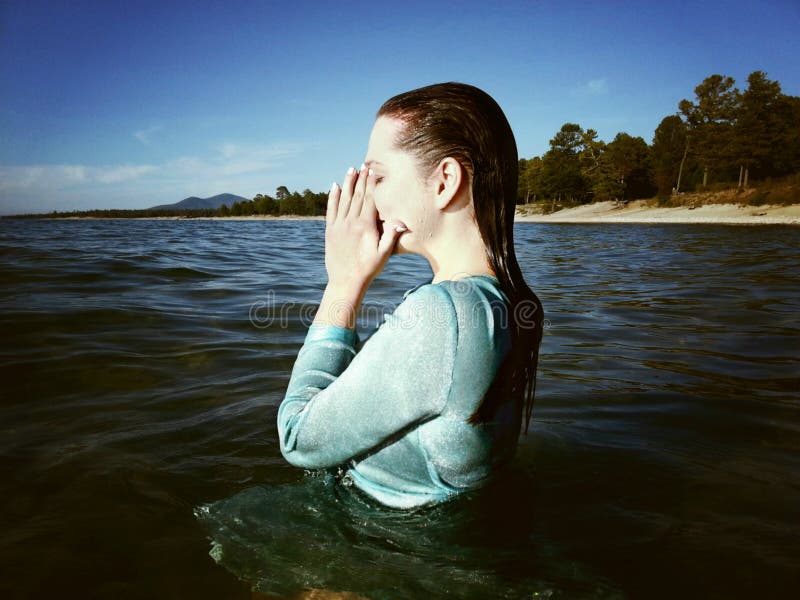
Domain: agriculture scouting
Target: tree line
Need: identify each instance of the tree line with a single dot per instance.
(120, 213)
(724, 137)
(307, 203)
(284, 202)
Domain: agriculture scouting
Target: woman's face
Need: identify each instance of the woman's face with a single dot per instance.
(400, 196)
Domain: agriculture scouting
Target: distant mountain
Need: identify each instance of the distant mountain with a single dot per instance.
(195, 202)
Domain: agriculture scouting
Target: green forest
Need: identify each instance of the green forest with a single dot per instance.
(723, 138)
(284, 203)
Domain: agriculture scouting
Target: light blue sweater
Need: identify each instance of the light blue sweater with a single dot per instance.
(394, 412)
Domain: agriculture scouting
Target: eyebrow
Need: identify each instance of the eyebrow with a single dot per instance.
(369, 163)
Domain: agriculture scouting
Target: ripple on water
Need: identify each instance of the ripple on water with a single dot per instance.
(139, 382)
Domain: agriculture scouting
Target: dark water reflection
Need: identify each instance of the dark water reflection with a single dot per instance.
(662, 460)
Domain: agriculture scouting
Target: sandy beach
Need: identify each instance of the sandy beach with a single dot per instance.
(639, 212)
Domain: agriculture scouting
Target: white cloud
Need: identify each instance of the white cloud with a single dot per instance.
(233, 158)
(53, 177)
(228, 150)
(47, 177)
(123, 173)
(256, 152)
(593, 87)
(144, 135)
(74, 173)
(234, 167)
(596, 87)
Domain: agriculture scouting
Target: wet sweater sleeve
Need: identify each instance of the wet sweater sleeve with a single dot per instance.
(342, 403)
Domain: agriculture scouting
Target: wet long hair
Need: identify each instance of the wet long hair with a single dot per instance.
(463, 122)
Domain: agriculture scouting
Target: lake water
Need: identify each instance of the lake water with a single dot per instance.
(143, 362)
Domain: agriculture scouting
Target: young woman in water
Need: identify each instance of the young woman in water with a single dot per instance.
(433, 402)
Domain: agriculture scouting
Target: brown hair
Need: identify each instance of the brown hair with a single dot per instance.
(463, 122)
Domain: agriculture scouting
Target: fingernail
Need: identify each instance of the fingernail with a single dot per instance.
(399, 229)
(370, 171)
(363, 166)
(350, 171)
(333, 186)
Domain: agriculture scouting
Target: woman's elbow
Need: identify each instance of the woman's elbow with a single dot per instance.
(306, 458)
(300, 445)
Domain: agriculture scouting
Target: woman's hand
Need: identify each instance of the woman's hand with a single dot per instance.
(356, 251)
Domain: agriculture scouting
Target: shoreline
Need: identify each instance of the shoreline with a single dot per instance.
(636, 211)
(182, 218)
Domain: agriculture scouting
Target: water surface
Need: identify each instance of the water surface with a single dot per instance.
(143, 362)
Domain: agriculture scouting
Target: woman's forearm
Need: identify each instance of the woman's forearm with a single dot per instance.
(340, 305)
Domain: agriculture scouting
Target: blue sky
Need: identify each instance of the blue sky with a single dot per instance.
(130, 104)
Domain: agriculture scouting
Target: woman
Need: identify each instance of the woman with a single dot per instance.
(432, 403)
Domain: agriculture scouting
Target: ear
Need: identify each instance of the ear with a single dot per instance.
(447, 179)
